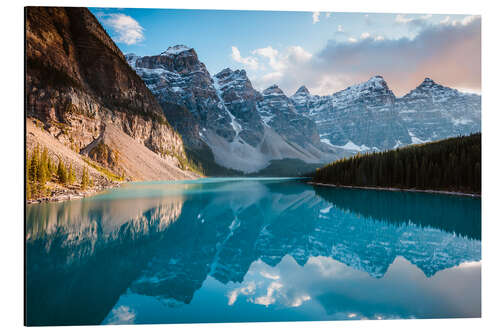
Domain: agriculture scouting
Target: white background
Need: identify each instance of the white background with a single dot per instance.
(12, 152)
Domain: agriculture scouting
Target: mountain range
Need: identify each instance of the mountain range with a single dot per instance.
(224, 116)
(248, 130)
(155, 117)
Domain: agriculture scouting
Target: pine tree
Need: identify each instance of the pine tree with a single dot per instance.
(85, 179)
(53, 168)
(62, 175)
(34, 164)
(28, 167)
(71, 174)
(451, 164)
(42, 170)
(28, 190)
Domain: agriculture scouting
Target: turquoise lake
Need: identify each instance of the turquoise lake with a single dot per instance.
(251, 249)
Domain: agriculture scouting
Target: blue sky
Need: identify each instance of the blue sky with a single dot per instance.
(289, 48)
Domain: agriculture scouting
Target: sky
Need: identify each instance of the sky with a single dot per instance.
(325, 51)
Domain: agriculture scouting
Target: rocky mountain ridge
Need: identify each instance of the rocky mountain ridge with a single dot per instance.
(78, 83)
(368, 116)
(432, 111)
(244, 129)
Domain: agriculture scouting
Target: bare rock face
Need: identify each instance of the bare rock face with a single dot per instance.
(432, 111)
(182, 83)
(77, 81)
(362, 117)
(368, 116)
(225, 115)
(279, 112)
(240, 98)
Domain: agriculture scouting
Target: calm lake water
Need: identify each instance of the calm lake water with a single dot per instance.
(268, 249)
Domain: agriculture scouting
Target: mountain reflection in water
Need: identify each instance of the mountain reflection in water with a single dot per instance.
(223, 250)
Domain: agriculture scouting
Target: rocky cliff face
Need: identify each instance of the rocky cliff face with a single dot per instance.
(240, 98)
(362, 117)
(78, 82)
(227, 115)
(368, 116)
(279, 113)
(177, 77)
(432, 111)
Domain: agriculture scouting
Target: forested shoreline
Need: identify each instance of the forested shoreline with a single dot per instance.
(42, 175)
(452, 165)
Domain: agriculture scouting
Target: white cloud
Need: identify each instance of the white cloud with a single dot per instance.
(466, 20)
(121, 315)
(297, 54)
(269, 298)
(270, 276)
(272, 57)
(250, 62)
(124, 28)
(278, 62)
(449, 54)
(340, 28)
(249, 289)
(446, 20)
(299, 300)
(403, 19)
(261, 82)
(272, 77)
(315, 17)
(414, 21)
(365, 35)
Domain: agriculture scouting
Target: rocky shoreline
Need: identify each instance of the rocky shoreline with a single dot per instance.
(72, 194)
(474, 195)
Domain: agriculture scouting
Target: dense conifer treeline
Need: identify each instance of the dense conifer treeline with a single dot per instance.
(40, 171)
(449, 165)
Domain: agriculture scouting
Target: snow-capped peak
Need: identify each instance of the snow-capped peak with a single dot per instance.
(225, 72)
(376, 81)
(273, 90)
(176, 49)
(429, 87)
(229, 73)
(428, 82)
(302, 91)
(131, 58)
(376, 85)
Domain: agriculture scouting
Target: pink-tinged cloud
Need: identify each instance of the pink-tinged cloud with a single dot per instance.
(449, 53)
